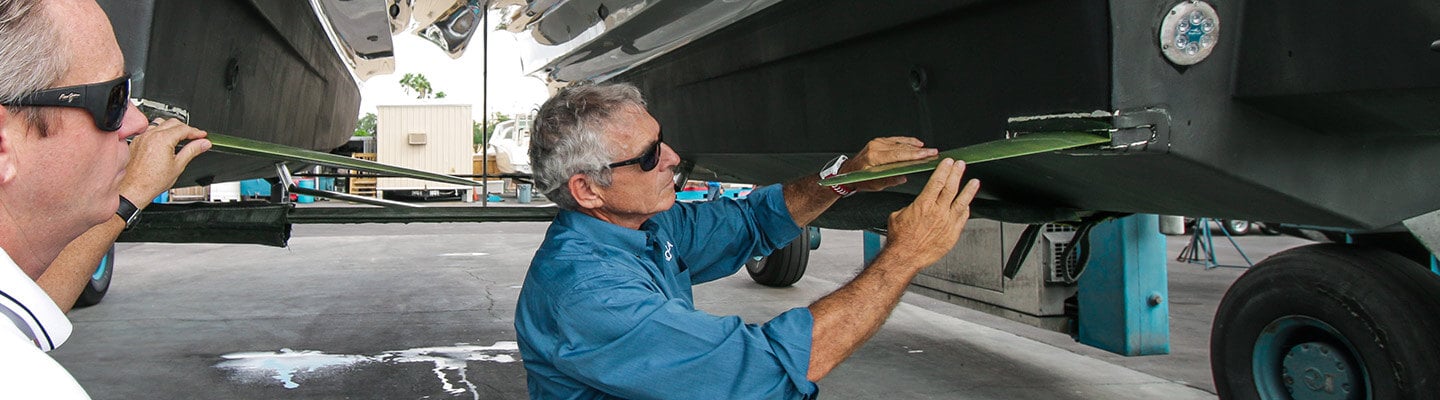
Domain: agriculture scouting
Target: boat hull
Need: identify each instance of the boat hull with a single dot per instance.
(1270, 127)
(262, 70)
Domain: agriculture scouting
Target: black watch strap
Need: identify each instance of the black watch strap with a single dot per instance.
(128, 212)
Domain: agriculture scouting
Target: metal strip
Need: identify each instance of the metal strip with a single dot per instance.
(1033, 143)
(350, 197)
(254, 148)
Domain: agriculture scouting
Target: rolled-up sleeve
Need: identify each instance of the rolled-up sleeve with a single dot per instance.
(621, 337)
(715, 238)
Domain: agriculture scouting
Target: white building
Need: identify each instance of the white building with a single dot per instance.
(430, 137)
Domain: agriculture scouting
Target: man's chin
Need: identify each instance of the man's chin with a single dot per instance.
(92, 220)
(111, 207)
(108, 206)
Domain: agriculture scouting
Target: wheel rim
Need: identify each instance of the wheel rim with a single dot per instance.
(1239, 226)
(1302, 358)
(100, 270)
(755, 265)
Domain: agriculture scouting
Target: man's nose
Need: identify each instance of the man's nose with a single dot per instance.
(668, 157)
(134, 122)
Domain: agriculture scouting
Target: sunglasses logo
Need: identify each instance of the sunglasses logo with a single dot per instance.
(69, 97)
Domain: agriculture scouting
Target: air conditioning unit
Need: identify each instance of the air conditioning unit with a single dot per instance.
(416, 138)
(972, 274)
(1057, 240)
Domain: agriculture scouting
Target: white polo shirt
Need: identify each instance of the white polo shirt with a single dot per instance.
(30, 325)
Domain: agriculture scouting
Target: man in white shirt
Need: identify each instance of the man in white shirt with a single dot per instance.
(65, 117)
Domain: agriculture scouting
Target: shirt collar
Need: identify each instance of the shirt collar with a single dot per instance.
(630, 240)
(47, 322)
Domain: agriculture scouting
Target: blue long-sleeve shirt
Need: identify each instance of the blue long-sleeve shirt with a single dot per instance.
(607, 311)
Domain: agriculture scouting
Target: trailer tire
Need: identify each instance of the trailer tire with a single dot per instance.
(99, 283)
(785, 266)
(1329, 317)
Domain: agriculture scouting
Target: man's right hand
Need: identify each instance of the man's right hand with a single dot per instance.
(919, 235)
(925, 230)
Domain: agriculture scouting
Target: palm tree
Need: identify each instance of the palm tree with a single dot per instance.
(419, 86)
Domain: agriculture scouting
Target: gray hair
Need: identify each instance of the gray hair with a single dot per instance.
(569, 137)
(31, 56)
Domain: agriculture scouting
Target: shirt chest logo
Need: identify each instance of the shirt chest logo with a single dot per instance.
(668, 246)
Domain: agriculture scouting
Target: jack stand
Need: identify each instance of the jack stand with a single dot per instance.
(1123, 292)
(286, 185)
(1201, 249)
(280, 188)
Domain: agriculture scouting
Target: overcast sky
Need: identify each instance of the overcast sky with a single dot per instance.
(509, 91)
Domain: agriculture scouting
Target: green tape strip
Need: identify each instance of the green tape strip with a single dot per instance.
(254, 148)
(1027, 144)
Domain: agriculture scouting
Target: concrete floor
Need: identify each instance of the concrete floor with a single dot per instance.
(424, 311)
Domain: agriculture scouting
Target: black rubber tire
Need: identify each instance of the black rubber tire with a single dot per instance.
(96, 289)
(1383, 304)
(1235, 227)
(785, 266)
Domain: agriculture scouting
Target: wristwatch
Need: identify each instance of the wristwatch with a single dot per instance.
(832, 169)
(128, 212)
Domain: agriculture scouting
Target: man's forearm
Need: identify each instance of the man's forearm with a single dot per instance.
(70, 272)
(153, 167)
(806, 199)
(848, 317)
(919, 235)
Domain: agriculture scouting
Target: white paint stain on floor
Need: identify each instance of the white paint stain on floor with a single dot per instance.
(286, 365)
(464, 254)
(283, 365)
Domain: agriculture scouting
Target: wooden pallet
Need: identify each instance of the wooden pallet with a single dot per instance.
(190, 193)
(363, 186)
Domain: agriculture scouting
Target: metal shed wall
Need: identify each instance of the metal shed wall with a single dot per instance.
(448, 144)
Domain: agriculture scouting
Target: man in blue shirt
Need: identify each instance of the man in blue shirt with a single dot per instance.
(607, 309)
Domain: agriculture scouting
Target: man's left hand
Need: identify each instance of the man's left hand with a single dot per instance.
(886, 150)
(154, 162)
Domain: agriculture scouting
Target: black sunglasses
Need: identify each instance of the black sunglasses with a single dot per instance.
(648, 160)
(106, 101)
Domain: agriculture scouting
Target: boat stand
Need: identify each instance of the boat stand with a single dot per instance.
(1201, 249)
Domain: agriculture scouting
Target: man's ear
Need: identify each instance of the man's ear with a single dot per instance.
(8, 135)
(580, 187)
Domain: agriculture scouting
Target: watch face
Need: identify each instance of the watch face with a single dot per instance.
(833, 167)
